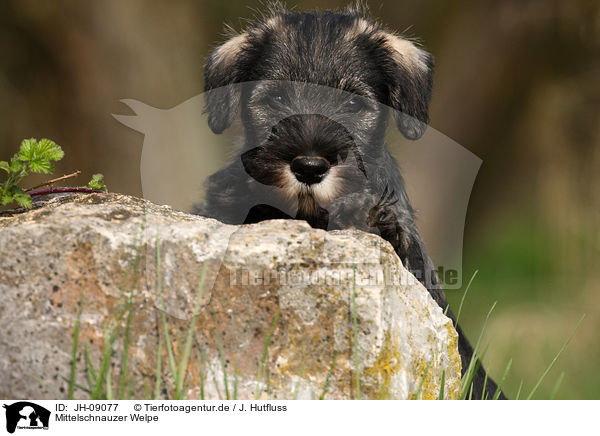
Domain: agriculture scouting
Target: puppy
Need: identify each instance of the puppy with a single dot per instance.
(314, 91)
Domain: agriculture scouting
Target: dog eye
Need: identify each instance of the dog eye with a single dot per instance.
(274, 100)
(354, 105)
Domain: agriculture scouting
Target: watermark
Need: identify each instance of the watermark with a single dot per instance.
(349, 179)
(338, 275)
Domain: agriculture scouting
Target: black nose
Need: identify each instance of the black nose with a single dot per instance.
(309, 170)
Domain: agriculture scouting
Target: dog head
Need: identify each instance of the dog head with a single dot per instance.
(342, 50)
(312, 89)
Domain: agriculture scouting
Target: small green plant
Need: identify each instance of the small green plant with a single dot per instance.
(33, 157)
(97, 183)
(37, 157)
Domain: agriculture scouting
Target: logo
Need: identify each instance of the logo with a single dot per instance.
(438, 172)
(26, 415)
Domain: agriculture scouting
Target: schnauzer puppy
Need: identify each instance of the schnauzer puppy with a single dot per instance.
(314, 91)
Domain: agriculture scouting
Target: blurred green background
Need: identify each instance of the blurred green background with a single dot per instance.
(517, 83)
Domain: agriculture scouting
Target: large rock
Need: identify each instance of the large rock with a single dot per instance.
(101, 248)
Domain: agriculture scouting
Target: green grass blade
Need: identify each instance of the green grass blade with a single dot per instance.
(235, 385)
(109, 390)
(74, 350)
(127, 291)
(539, 382)
(126, 339)
(262, 372)
(90, 372)
(77, 385)
(190, 338)
(519, 390)
(45, 384)
(499, 389)
(355, 335)
(157, 384)
(471, 370)
(215, 381)
(328, 377)
(483, 392)
(99, 393)
(485, 379)
(441, 396)
(221, 355)
(462, 300)
(297, 385)
(130, 389)
(146, 388)
(467, 381)
(202, 372)
(163, 316)
(557, 385)
(418, 393)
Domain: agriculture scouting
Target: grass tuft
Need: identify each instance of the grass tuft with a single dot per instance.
(475, 361)
(329, 374)
(263, 370)
(76, 328)
(355, 335)
(221, 355)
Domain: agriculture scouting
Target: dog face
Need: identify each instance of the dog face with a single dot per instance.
(310, 141)
(313, 91)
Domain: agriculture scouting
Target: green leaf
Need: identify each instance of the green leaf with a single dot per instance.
(28, 149)
(97, 182)
(41, 165)
(23, 199)
(32, 157)
(49, 149)
(15, 165)
(7, 198)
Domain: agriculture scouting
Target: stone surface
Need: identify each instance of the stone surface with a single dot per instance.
(301, 284)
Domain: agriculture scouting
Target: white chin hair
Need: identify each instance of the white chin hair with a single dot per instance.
(323, 192)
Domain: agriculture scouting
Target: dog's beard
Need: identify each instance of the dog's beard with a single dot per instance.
(313, 200)
(323, 193)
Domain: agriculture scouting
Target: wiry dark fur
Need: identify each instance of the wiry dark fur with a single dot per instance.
(339, 51)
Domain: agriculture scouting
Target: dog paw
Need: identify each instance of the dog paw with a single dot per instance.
(350, 211)
(383, 213)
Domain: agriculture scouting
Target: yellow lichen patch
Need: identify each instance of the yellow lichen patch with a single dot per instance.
(384, 368)
(454, 364)
(431, 376)
(424, 371)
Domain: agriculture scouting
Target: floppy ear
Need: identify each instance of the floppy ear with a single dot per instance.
(410, 80)
(222, 77)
